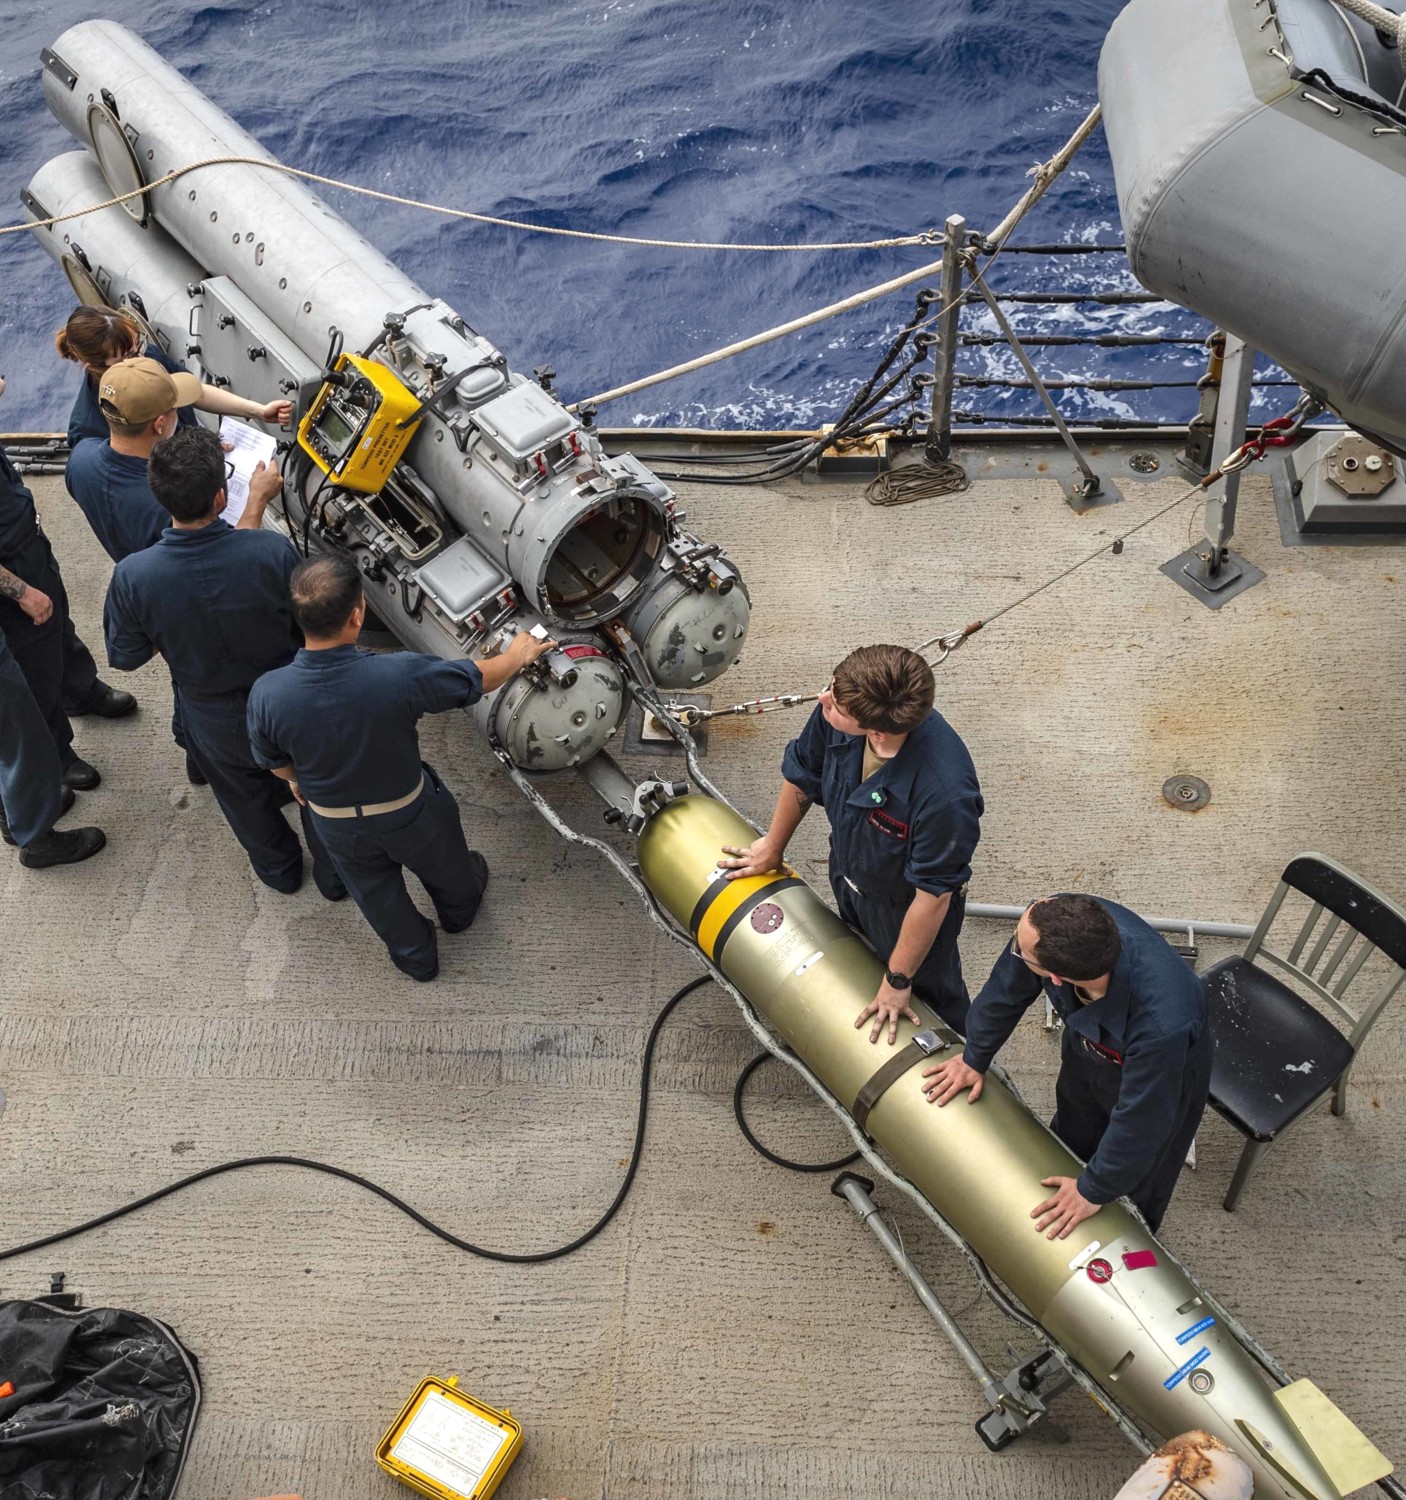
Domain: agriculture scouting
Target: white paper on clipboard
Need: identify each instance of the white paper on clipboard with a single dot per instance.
(449, 1444)
(245, 447)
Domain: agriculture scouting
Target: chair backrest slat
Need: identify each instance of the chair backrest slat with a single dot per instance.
(1354, 968)
(1321, 946)
(1340, 951)
(1296, 952)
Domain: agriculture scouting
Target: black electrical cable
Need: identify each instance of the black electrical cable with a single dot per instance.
(507, 1257)
(859, 409)
(309, 504)
(781, 1161)
(431, 403)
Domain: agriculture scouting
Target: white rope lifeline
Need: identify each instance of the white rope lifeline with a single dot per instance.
(927, 237)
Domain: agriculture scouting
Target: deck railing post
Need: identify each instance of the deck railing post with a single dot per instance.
(939, 443)
(1210, 571)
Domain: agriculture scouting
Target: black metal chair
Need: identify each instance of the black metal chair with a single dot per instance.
(1276, 1054)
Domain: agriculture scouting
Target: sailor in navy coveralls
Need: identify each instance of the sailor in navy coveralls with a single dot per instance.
(1136, 1051)
(213, 600)
(904, 805)
(341, 726)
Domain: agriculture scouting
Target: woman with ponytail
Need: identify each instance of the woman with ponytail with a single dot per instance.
(98, 337)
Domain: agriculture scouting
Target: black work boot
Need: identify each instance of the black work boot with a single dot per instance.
(106, 702)
(56, 848)
(82, 777)
(194, 774)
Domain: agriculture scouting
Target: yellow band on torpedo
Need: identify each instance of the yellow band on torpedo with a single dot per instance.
(735, 893)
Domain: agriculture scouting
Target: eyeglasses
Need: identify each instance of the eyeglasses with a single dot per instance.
(229, 469)
(1023, 957)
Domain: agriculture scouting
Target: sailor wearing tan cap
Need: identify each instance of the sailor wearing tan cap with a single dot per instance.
(107, 477)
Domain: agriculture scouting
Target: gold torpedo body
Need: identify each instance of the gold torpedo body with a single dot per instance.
(1124, 1311)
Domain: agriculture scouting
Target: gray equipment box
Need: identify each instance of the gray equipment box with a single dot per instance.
(523, 421)
(461, 579)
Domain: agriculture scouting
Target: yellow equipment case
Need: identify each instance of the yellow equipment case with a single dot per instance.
(447, 1445)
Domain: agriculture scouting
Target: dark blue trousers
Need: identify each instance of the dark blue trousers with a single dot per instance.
(80, 671)
(426, 838)
(1086, 1093)
(251, 798)
(30, 791)
(938, 982)
(39, 649)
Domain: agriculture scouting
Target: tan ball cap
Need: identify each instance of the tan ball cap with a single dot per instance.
(139, 390)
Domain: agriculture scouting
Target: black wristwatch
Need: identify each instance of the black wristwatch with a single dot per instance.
(897, 981)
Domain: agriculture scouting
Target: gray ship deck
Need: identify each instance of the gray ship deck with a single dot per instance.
(735, 1332)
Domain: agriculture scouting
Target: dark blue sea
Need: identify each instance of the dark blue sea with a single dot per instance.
(722, 120)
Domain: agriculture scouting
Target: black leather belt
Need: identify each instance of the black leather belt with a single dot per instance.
(922, 1045)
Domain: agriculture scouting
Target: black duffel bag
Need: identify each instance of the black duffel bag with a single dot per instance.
(103, 1405)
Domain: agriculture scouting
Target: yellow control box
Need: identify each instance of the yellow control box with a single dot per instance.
(358, 427)
(447, 1445)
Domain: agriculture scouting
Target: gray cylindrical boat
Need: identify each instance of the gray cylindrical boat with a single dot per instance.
(1259, 148)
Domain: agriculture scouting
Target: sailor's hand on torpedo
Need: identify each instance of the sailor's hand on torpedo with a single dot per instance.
(761, 857)
(1067, 1208)
(949, 1078)
(888, 1005)
(280, 413)
(525, 648)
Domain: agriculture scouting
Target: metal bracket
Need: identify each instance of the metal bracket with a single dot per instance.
(1023, 1402)
(1192, 570)
(59, 68)
(1021, 1397)
(1084, 492)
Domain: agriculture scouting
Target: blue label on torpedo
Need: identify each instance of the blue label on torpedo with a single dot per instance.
(1201, 1327)
(1199, 1358)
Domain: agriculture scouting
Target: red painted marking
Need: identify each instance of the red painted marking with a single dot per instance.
(577, 652)
(1140, 1260)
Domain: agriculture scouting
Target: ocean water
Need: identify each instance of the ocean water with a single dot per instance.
(723, 120)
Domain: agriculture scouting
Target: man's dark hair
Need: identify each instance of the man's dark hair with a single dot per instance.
(186, 471)
(888, 688)
(324, 592)
(1078, 939)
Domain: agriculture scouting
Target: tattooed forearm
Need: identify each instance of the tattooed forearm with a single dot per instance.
(10, 586)
(802, 801)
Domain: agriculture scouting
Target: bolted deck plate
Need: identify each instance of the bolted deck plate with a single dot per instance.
(1187, 570)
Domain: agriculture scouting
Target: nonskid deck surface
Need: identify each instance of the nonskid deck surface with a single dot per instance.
(735, 1333)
